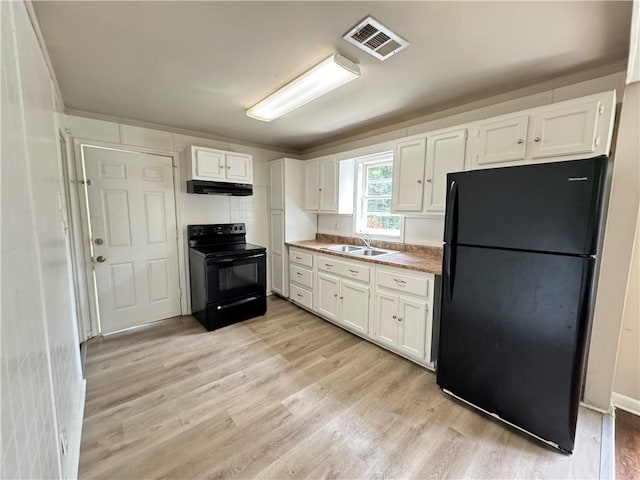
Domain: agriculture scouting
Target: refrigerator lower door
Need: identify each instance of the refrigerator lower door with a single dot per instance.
(512, 336)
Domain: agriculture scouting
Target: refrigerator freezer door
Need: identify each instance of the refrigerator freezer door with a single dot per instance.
(551, 207)
(512, 336)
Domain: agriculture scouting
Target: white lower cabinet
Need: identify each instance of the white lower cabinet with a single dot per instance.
(390, 306)
(343, 301)
(403, 312)
(328, 288)
(354, 305)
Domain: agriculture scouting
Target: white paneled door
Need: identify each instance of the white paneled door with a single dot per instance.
(133, 236)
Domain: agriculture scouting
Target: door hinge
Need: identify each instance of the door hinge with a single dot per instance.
(466, 134)
(601, 109)
(177, 233)
(596, 142)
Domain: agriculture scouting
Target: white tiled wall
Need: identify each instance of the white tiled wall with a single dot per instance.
(41, 383)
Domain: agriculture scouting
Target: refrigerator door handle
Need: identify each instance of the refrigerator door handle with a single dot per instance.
(450, 213)
(449, 260)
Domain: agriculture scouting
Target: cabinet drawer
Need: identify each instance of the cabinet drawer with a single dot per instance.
(301, 258)
(301, 296)
(356, 271)
(301, 275)
(404, 283)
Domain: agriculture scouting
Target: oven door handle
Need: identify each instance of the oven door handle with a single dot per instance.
(238, 259)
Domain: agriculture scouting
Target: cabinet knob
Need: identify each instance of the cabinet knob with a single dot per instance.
(319, 189)
(394, 317)
(399, 319)
(341, 298)
(520, 141)
(420, 181)
(101, 259)
(537, 139)
(229, 167)
(428, 180)
(335, 295)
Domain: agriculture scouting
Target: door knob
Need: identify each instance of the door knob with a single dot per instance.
(101, 259)
(98, 241)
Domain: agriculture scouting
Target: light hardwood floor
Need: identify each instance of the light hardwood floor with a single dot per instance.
(289, 395)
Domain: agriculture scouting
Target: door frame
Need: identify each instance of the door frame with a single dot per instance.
(92, 324)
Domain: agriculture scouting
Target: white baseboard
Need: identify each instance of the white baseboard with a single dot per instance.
(631, 405)
(71, 461)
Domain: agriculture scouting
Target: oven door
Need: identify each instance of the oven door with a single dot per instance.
(236, 277)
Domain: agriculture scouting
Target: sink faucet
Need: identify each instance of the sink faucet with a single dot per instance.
(366, 239)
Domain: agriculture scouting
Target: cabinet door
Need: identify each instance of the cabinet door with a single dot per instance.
(501, 141)
(327, 297)
(329, 185)
(239, 167)
(311, 186)
(276, 185)
(354, 306)
(277, 274)
(209, 164)
(408, 176)
(445, 154)
(412, 321)
(566, 131)
(385, 325)
(277, 232)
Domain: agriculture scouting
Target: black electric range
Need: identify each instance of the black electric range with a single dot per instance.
(228, 275)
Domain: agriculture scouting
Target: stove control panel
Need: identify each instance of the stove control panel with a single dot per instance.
(199, 231)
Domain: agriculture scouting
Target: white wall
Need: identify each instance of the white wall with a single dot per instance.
(252, 210)
(616, 256)
(429, 229)
(42, 390)
(626, 386)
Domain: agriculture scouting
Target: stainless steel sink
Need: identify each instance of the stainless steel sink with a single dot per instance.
(343, 248)
(371, 252)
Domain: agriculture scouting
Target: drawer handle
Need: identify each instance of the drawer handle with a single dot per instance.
(328, 265)
(299, 274)
(298, 258)
(353, 271)
(399, 281)
(300, 295)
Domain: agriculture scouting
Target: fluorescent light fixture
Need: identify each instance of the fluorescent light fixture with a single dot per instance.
(324, 77)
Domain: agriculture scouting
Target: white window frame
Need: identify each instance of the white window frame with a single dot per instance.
(360, 198)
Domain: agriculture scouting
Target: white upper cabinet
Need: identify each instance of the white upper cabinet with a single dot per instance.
(311, 186)
(239, 167)
(208, 165)
(501, 140)
(321, 184)
(445, 153)
(329, 184)
(276, 185)
(408, 175)
(566, 130)
(218, 165)
(569, 130)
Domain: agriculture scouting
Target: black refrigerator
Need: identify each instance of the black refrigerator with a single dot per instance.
(521, 246)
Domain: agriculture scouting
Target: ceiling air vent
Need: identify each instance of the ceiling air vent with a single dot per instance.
(376, 39)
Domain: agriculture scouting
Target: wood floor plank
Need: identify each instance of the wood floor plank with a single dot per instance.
(289, 395)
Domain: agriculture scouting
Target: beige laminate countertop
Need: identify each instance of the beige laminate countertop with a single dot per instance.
(428, 260)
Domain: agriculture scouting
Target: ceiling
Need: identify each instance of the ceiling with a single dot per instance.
(199, 65)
